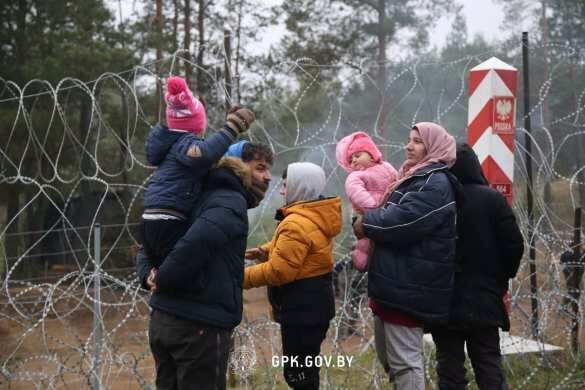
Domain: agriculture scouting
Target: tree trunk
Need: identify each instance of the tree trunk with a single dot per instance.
(86, 134)
(175, 25)
(158, 22)
(381, 44)
(86, 208)
(11, 243)
(123, 158)
(187, 42)
(21, 44)
(35, 217)
(579, 147)
(382, 36)
(545, 47)
(545, 104)
(238, 41)
(580, 156)
(12, 208)
(200, 45)
(227, 68)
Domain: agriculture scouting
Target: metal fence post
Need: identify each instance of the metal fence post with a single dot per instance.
(97, 313)
(574, 285)
(534, 321)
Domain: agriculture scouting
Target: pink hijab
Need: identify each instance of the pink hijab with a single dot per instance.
(440, 147)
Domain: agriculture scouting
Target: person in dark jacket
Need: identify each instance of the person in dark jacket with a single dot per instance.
(411, 271)
(573, 266)
(297, 266)
(489, 250)
(197, 291)
(182, 159)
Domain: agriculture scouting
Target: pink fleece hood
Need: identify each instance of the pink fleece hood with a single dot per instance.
(358, 141)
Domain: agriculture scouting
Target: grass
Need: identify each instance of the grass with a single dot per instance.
(531, 371)
(534, 371)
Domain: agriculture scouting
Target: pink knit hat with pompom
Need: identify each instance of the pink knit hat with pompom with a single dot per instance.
(184, 111)
(358, 141)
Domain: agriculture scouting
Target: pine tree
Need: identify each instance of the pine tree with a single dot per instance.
(351, 30)
(49, 40)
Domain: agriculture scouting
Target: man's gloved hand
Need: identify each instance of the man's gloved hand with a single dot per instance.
(240, 119)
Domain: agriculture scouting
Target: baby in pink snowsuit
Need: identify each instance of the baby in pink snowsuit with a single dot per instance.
(366, 185)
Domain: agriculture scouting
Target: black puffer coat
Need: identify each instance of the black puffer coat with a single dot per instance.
(201, 278)
(489, 248)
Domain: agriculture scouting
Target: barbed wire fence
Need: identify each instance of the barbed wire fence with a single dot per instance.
(71, 309)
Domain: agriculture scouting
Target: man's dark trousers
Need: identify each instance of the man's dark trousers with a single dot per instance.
(188, 354)
(483, 347)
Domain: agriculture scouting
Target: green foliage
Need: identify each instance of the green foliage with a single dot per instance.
(2, 258)
(53, 39)
(556, 40)
(324, 31)
(342, 30)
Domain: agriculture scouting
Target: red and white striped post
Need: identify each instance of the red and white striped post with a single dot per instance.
(491, 123)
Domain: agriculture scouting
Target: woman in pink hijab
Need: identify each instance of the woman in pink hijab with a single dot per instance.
(411, 271)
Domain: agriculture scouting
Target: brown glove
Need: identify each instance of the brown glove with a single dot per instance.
(233, 108)
(240, 119)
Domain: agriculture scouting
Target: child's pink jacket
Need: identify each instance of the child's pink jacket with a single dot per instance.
(365, 188)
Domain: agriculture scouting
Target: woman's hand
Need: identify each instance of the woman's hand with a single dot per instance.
(258, 254)
(358, 227)
(150, 280)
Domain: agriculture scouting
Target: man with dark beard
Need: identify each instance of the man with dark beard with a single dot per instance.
(259, 158)
(197, 291)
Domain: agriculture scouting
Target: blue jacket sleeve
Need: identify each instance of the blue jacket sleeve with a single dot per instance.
(197, 153)
(143, 268)
(212, 229)
(417, 214)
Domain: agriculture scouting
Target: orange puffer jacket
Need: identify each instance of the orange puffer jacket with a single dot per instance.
(302, 245)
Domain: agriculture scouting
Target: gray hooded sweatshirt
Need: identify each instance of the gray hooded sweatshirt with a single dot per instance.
(305, 181)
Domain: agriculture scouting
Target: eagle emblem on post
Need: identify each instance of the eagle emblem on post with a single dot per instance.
(503, 109)
(503, 114)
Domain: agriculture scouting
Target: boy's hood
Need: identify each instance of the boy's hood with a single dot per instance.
(325, 213)
(305, 181)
